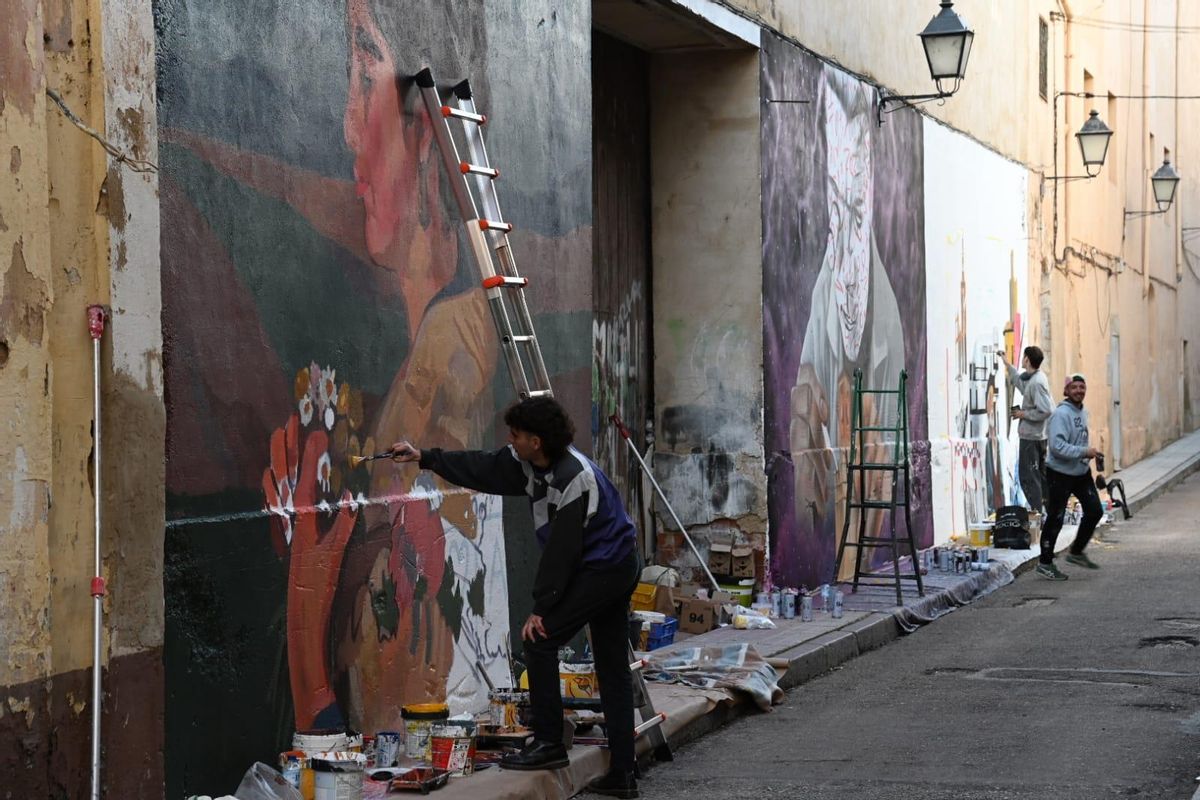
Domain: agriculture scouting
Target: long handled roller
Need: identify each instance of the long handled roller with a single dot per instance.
(616, 420)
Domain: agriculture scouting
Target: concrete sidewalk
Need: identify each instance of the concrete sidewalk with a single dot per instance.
(800, 651)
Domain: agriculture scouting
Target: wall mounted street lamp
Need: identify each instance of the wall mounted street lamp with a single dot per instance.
(1163, 182)
(1093, 148)
(947, 42)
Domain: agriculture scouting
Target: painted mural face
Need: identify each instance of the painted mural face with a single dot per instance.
(844, 293)
(848, 254)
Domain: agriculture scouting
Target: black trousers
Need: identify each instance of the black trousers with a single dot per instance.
(1031, 467)
(1061, 488)
(598, 598)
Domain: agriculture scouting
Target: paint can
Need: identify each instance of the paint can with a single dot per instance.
(839, 600)
(387, 748)
(292, 763)
(806, 611)
(762, 599)
(776, 603)
(825, 598)
(311, 743)
(419, 720)
(452, 748)
(339, 776)
(944, 559)
(789, 604)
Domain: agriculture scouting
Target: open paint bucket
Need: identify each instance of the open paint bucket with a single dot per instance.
(339, 776)
(453, 748)
(419, 720)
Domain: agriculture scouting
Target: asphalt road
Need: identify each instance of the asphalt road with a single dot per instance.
(1084, 689)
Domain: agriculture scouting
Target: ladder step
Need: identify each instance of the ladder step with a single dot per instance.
(458, 113)
(505, 282)
(883, 540)
(521, 339)
(886, 504)
(654, 721)
(475, 169)
(540, 393)
(492, 225)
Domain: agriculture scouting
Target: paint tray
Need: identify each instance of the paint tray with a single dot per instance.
(419, 779)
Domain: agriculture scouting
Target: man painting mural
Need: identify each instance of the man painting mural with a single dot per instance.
(855, 320)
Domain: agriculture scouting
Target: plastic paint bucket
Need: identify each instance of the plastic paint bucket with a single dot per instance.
(339, 776)
(742, 591)
(452, 748)
(310, 743)
(980, 535)
(418, 720)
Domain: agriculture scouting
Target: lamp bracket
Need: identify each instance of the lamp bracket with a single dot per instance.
(907, 100)
(1140, 214)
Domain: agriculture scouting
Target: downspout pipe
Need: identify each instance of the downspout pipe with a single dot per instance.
(96, 320)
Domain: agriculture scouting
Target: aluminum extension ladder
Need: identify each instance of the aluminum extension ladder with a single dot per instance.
(900, 497)
(487, 233)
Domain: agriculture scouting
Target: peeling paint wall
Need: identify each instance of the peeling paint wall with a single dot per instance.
(54, 233)
(708, 294)
(320, 302)
(976, 257)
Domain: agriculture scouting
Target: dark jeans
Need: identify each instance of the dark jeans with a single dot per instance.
(1061, 487)
(599, 598)
(1032, 470)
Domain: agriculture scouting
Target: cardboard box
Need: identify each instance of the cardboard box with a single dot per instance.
(700, 615)
(742, 556)
(720, 558)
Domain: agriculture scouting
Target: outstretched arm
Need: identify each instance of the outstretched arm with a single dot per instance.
(490, 472)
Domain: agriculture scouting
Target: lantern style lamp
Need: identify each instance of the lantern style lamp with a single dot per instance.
(1164, 182)
(947, 42)
(1093, 143)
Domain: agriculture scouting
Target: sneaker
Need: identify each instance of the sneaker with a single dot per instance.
(1081, 560)
(537, 755)
(1051, 572)
(615, 784)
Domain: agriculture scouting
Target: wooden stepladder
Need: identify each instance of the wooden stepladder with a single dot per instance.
(896, 469)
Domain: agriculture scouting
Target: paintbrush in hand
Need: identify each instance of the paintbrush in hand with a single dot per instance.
(356, 460)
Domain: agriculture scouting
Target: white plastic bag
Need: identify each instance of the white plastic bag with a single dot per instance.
(263, 783)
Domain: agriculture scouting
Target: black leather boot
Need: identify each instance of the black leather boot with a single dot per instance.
(537, 755)
(615, 783)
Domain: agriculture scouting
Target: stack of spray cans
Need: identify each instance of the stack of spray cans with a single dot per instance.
(959, 559)
(826, 599)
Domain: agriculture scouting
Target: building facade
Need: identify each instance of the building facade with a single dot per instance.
(719, 227)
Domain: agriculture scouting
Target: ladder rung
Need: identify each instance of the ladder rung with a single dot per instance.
(884, 580)
(505, 281)
(492, 225)
(878, 466)
(540, 393)
(876, 504)
(458, 113)
(475, 169)
(657, 719)
(884, 540)
(521, 339)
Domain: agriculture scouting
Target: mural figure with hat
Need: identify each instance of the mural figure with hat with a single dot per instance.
(1068, 472)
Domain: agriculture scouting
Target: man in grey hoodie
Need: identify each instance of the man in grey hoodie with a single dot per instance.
(1036, 407)
(1068, 472)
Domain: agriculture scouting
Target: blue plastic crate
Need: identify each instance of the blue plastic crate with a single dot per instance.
(662, 633)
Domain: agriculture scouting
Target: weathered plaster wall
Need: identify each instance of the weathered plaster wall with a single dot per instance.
(976, 257)
(843, 290)
(319, 302)
(707, 230)
(58, 211)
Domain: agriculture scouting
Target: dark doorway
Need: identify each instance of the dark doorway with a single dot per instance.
(622, 374)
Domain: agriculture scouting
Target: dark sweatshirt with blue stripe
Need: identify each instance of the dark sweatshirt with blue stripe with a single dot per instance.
(578, 516)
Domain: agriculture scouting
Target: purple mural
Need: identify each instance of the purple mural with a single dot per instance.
(844, 289)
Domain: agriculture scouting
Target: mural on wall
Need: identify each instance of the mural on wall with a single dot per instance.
(976, 257)
(319, 304)
(844, 290)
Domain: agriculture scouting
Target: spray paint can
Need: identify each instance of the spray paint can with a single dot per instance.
(777, 603)
(806, 611)
(789, 604)
(825, 597)
(943, 559)
(838, 600)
